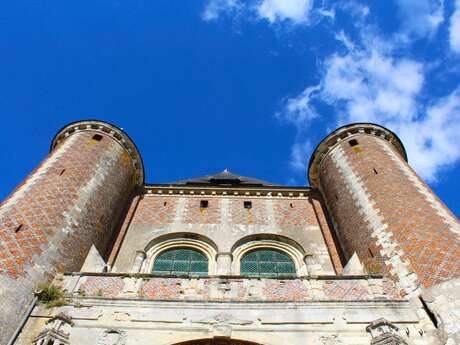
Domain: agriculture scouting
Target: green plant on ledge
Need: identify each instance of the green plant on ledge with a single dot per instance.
(374, 268)
(50, 295)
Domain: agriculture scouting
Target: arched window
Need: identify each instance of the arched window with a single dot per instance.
(267, 262)
(181, 261)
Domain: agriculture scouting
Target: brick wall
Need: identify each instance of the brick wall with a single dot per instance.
(257, 214)
(226, 221)
(388, 215)
(291, 212)
(295, 212)
(161, 210)
(194, 214)
(72, 200)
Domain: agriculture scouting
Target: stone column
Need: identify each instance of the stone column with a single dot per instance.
(138, 261)
(224, 264)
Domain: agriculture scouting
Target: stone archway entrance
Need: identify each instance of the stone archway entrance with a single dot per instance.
(218, 342)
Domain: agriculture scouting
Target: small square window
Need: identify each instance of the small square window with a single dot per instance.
(204, 204)
(248, 204)
(353, 142)
(97, 137)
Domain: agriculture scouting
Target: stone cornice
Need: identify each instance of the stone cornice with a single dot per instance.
(113, 131)
(281, 191)
(333, 139)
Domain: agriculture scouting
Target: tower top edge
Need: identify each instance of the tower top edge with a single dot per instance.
(341, 133)
(116, 133)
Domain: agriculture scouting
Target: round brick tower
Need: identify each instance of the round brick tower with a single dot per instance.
(382, 210)
(72, 201)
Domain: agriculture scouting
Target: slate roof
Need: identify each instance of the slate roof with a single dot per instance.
(224, 178)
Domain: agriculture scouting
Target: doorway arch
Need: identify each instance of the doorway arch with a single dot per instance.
(217, 342)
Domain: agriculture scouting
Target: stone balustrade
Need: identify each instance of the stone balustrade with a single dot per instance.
(215, 289)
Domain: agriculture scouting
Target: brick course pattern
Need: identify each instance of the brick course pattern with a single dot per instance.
(71, 201)
(194, 214)
(109, 287)
(155, 211)
(160, 289)
(292, 212)
(257, 214)
(416, 229)
(287, 290)
(347, 291)
(236, 289)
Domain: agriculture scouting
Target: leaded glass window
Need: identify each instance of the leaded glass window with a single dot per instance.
(181, 261)
(267, 263)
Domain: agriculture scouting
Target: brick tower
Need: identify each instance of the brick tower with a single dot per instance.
(72, 201)
(383, 211)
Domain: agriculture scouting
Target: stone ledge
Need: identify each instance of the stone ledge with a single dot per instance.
(230, 289)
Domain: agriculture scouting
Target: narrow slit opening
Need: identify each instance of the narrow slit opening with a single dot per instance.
(62, 172)
(429, 312)
(375, 171)
(18, 228)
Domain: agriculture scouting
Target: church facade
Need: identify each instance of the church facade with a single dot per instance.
(91, 254)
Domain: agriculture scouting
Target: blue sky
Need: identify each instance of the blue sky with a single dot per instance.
(248, 85)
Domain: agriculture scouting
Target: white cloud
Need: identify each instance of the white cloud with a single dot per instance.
(299, 110)
(300, 153)
(215, 8)
(356, 9)
(432, 142)
(371, 81)
(328, 13)
(296, 11)
(421, 17)
(454, 29)
(278, 10)
(373, 86)
(346, 41)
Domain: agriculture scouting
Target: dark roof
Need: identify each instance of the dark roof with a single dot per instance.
(224, 178)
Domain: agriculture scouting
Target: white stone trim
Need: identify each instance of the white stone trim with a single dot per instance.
(180, 210)
(296, 256)
(201, 246)
(376, 224)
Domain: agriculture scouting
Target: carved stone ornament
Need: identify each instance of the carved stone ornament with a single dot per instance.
(56, 332)
(330, 340)
(225, 319)
(384, 332)
(112, 336)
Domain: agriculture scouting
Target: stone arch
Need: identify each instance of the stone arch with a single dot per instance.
(217, 342)
(271, 241)
(180, 239)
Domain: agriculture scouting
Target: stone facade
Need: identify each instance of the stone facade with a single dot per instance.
(376, 254)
